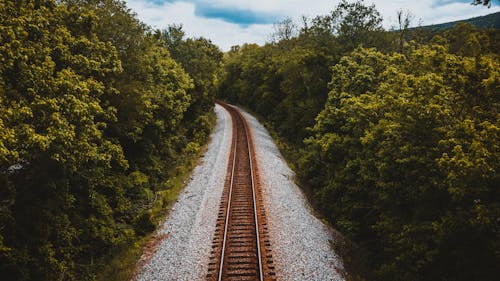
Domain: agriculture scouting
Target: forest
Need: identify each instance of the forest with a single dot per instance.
(98, 114)
(393, 134)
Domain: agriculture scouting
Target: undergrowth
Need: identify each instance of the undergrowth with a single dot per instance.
(121, 263)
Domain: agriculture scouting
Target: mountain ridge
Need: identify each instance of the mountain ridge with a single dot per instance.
(488, 21)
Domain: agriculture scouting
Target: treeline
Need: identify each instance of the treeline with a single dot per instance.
(396, 135)
(97, 113)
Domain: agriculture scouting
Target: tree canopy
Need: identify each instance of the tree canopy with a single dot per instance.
(95, 116)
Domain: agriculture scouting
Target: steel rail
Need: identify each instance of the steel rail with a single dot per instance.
(259, 257)
(228, 207)
(261, 277)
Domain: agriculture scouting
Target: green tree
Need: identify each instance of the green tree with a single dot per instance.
(202, 60)
(52, 83)
(93, 115)
(356, 24)
(381, 162)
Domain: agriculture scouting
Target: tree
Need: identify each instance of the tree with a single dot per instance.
(52, 84)
(404, 21)
(355, 23)
(384, 160)
(202, 60)
(93, 118)
(467, 40)
(285, 29)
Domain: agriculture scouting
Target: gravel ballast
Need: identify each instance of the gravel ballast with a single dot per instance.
(301, 243)
(188, 230)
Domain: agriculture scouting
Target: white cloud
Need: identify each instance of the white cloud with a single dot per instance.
(225, 34)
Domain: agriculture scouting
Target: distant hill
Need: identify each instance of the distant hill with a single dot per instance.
(488, 21)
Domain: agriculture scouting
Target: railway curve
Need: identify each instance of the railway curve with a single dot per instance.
(241, 249)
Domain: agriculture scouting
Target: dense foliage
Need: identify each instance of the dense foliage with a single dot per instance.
(95, 116)
(406, 153)
(395, 134)
(202, 61)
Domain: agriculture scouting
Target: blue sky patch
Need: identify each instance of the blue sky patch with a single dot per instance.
(243, 17)
(235, 15)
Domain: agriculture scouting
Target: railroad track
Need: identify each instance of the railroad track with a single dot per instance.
(241, 249)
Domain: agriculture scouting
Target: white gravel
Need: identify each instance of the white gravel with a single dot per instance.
(301, 243)
(184, 254)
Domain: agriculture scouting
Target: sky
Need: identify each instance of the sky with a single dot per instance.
(235, 22)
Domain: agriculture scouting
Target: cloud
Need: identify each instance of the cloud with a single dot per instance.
(222, 33)
(229, 11)
(234, 22)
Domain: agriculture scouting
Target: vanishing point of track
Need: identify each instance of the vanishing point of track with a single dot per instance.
(241, 249)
